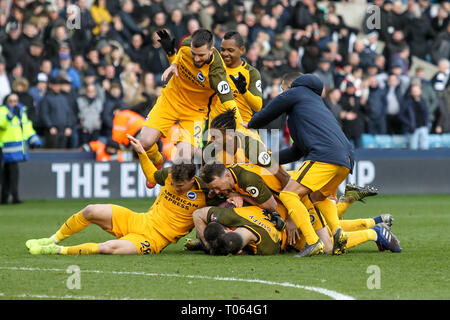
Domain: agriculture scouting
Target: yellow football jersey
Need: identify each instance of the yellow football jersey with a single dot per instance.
(196, 88)
(171, 213)
(247, 103)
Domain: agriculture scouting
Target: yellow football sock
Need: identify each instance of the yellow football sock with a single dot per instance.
(342, 207)
(357, 224)
(154, 155)
(358, 237)
(299, 215)
(329, 211)
(85, 248)
(74, 224)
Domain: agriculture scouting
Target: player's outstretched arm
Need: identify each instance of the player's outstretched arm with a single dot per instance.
(147, 166)
(279, 105)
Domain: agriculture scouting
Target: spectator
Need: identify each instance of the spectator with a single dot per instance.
(440, 82)
(414, 115)
(113, 103)
(130, 85)
(440, 48)
(65, 66)
(156, 59)
(376, 107)
(20, 87)
(90, 107)
(5, 87)
(292, 64)
(37, 92)
(353, 124)
(418, 34)
(325, 73)
(332, 101)
(428, 94)
(177, 25)
(16, 130)
(441, 21)
(56, 116)
(14, 45)
(31, 61)
(126, 17)
(99, 14)
(394, 101)
(71, 94)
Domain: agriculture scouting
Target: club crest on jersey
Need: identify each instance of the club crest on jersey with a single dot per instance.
(201, 77)
(253, 191)
(191, 195)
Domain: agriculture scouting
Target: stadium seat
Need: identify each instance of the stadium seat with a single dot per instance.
(445, 140)
(399, 141)
(383, 141)
(368, 141)
(435, 140)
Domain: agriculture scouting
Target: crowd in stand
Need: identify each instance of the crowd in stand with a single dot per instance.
(74, 67)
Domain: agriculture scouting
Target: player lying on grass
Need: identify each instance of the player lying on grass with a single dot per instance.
(259, 188)
(252, 230)
(167, 220)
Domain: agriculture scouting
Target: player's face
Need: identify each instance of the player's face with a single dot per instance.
(201, 55)
(182, 187)
(231, 53)
(221, 186)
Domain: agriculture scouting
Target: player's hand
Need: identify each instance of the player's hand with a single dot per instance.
(172, 69)
(167, 43)
(291, 231)
(240, 82)
(136, 144)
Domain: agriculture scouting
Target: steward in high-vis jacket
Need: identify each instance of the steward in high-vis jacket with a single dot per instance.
(16, 135)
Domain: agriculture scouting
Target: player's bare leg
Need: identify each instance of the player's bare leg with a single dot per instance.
(324, 235)
(120, 246)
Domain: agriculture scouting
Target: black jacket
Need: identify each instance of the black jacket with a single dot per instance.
(316, 133)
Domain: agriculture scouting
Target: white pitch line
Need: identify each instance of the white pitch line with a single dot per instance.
(45, 296)
(330, 293)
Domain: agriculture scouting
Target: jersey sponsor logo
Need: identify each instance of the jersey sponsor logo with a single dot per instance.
(191, 195)
(223, 87)
(253, 191)
(264, 158)
(201, 77)
(258, 85)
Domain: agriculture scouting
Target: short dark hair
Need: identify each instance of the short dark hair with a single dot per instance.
(288, 78)
(222, 243)
(183, 171)
(236, 36)
(225, 121)
(202, 37)
(212, 170)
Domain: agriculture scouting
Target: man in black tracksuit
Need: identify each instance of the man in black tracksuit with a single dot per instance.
(328, 156)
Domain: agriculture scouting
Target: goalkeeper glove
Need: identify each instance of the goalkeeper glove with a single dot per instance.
(240, 82)
(276, 219)
(167, 43)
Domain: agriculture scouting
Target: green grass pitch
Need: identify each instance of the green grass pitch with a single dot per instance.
(419, 272)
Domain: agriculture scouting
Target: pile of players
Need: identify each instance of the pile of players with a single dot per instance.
(243, 200)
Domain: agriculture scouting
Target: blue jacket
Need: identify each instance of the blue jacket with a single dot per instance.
(408, 116)
(315, 132)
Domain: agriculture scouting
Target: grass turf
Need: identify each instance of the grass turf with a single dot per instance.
(419, 272)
